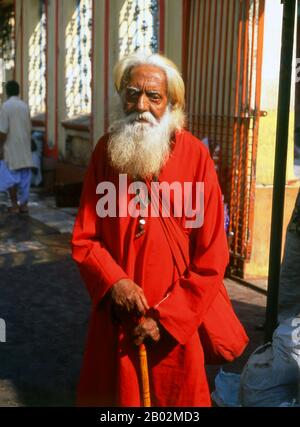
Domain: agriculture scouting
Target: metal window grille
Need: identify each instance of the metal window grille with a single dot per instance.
(7, 42)
(37, 64)
(78, 65)
(139, 27)
(222, 69)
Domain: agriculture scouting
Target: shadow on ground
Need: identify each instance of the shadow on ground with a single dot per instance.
(46, 310)
(45, 307)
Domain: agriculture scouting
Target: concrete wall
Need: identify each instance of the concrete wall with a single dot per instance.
(51, 89)
(269, 98)
(173, 31)
(259, 263)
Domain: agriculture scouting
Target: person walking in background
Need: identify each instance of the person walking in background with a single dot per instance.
(15, 142)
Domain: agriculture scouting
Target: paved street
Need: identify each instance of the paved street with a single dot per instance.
(45, 307)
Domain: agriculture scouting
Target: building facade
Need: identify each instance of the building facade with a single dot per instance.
(63, 55)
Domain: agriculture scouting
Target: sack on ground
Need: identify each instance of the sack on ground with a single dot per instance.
(269, 378)
(227, 385)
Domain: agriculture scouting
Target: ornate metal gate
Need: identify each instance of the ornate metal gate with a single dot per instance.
(223, 43)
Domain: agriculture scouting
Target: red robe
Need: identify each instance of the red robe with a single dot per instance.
(106, 251)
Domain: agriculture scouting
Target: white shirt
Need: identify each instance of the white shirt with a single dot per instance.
(15, 122)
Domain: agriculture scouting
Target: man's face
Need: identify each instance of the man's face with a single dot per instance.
(146, 91)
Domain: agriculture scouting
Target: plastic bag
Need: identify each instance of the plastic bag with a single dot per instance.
(286, 340)
(269, 378)
(227, 389)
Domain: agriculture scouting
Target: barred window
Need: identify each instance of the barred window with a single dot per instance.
(7, 42)
(37, 63)
(139, 27)
(78, 67)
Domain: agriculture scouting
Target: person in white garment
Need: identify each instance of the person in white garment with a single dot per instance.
(15, 148)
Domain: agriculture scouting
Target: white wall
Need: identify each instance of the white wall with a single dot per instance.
(271, 57)
(269, 98)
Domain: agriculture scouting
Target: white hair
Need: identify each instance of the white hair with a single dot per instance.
(137, 148)
(175, 82)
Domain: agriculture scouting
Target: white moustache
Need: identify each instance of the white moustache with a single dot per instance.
(146, 116)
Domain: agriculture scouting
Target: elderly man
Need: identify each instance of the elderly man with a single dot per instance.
(129, 260)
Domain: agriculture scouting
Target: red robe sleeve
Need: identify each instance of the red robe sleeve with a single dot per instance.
(97, 267)
(183, 310)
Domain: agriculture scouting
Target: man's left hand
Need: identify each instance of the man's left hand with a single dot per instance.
(147, 328)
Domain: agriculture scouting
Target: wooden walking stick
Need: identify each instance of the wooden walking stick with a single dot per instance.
(144, 373)
(144, 376)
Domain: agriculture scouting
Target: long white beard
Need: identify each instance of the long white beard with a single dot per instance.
(141, 149)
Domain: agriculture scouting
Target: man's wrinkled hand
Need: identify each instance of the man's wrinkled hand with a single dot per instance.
(148, 328)
(129, 298)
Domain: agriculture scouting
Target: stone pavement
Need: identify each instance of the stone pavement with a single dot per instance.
(46, 307)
